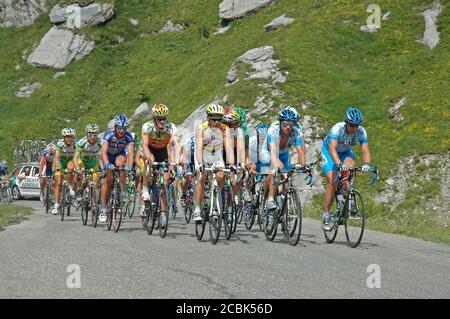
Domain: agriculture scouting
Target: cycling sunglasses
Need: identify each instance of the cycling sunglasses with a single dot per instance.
(215, 119)
(161, 119)
(121, 128)
(287, 123)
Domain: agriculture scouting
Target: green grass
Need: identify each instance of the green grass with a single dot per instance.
(13, 214)
(330, 63)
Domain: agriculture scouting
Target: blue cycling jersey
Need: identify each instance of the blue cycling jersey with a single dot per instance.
(117, 145)
(344, 140)
(273, 137)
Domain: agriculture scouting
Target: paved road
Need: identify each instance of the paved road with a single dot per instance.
(35, 255)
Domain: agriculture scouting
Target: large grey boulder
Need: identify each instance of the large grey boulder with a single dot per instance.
(431, 35)
(60, 47)
(77, 17)
(27, 90)
(20, 13)
(232, 9)
(278, 23)
(142, 111)
(260, 59)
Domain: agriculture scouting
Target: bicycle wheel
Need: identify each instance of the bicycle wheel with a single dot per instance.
(215, 216)
(133, 201)
(249, 215)
(110, 210)
(228, 212)
(117, 209)
(293, 218)
(200, 227)
(85, 205)
(149, 220)
(271, 224)
(164, 214)
(355, 219)
(188, 213)
(330, 235)
(94, 216)
(63, 201)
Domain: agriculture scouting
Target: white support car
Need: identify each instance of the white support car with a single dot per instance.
(26, 181)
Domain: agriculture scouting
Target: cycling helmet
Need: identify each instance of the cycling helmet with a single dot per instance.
(230, 116)
(262, 129)
(353, 116)
(4, 163)
(242, 115)
(287, 114)
(214, 109)
(92, 128)
(67, 131)
(134, 136)
(121, 120)
(160, 110)
(295, 111)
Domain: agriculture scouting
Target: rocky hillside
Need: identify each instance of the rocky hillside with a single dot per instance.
(66, 64)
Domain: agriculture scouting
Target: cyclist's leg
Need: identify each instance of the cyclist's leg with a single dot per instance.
(120, 162)
(107, 182)
(71, 176)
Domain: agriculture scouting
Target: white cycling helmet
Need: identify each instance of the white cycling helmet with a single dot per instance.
(67, 131)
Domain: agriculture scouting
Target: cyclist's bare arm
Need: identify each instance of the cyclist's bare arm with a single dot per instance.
(145, 149)
(130, 154)
(365, 153)
(76, 157)
(199, 147)
(332, 149)
(56, 160)
(104, 153)
(229, 147)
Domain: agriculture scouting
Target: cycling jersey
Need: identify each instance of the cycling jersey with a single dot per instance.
(117, 145)
(159, 139)
(344, 140)
(66, 151)
(189, 146)
(236, 135)
(213, 138)
(87, 151)
(273, 137)
(48, 156)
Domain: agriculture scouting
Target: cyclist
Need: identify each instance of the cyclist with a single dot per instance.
(211, 138)
(337, 155)
(116, 142)
(231, 119)
(188, 162)
(45, 166)
(159, 144)
(65, 150)
(140, 165)
(86, 154)
(280, 137)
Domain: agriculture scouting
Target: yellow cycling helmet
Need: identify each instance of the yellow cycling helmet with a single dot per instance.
(214, 110)
(160, 110)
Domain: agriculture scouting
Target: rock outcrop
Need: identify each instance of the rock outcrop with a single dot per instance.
(60, 47)
(20, 13)
(232, 9)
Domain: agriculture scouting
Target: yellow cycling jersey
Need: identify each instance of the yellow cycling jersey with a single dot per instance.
(158, 138)
(213, 138)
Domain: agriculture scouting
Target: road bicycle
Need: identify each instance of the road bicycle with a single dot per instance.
(349, 208)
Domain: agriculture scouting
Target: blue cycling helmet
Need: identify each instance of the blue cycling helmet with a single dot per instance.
(121, 120)
(353, 116)
(134, 136)
(295, 111)
(262, 129)
(287, 114)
